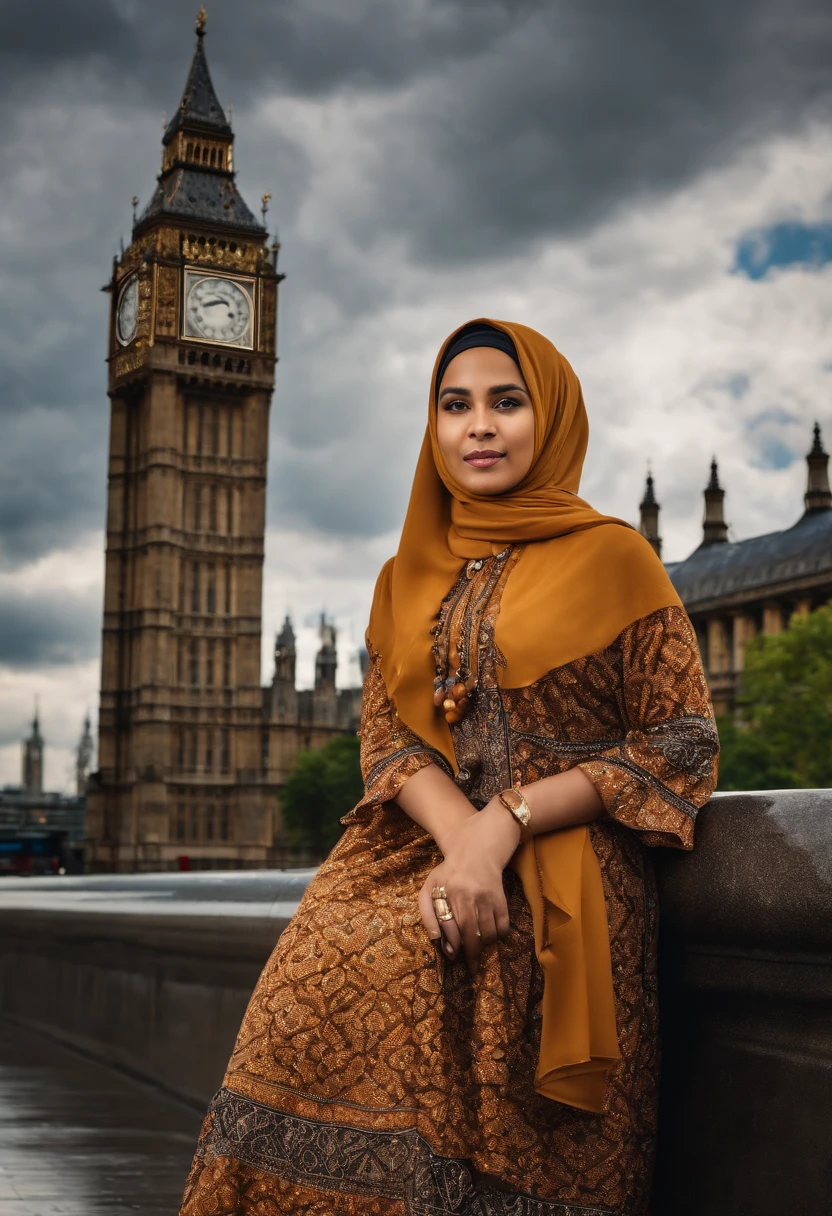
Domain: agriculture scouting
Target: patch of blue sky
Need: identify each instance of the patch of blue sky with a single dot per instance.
(771, 449)
(738, 384)
(781, 245)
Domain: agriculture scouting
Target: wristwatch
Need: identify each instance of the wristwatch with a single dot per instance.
(514, 802)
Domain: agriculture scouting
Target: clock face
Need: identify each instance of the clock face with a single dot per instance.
(218, 310)
(127, 313)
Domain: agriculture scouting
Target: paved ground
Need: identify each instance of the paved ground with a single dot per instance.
(78, 1139)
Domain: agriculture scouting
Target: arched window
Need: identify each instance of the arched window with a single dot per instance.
(197, 508)
(211, 591)
(193, 663)
(205, 156)
(220, 158)
(213, 156)
(190, 151)
(212, 509)
(195, 588)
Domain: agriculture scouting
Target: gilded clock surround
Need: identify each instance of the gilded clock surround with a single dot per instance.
(194, 276)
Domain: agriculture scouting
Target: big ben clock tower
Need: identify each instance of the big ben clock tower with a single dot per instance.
(192, 354)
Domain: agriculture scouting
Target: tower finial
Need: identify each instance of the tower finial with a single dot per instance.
(201, 19)
(264, 206)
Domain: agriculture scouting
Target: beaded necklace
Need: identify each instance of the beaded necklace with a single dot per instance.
(456, 638)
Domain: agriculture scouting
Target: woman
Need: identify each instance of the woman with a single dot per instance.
(461, 1016)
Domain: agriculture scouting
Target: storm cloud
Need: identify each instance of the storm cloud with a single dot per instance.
(574, 164)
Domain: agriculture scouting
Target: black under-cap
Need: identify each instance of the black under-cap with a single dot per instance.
(477, 334)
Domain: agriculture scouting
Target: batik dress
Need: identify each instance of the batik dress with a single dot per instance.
(372, 1077)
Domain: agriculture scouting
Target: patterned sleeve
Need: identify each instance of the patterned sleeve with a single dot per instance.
(665, 768)
(390, 751)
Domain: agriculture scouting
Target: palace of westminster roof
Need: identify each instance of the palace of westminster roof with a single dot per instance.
(722, 572)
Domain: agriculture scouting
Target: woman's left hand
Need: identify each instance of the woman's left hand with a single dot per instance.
(472, 875)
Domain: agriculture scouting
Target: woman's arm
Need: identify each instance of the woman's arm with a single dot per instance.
(436, 803)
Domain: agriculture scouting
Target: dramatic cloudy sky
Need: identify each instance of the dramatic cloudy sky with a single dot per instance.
(649, 183)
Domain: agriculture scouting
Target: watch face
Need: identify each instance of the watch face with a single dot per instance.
(218, 310)
(127, 313)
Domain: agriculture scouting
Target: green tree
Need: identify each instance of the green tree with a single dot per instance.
(323, 785)
(783, 735)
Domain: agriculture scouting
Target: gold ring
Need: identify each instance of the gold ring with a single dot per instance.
(441, 907)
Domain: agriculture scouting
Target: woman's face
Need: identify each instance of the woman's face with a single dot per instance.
(485, 421)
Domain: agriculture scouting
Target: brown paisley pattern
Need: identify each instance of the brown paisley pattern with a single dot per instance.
(371, 1077)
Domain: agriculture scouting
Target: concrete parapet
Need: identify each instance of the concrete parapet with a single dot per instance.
(746, 987)
(152, 973)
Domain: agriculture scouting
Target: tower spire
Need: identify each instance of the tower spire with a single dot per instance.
(200, 107)
(649, 521)
(715, 529)
(818, 496)
(197, 178)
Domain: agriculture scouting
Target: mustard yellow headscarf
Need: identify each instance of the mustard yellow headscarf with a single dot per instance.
(581, 580)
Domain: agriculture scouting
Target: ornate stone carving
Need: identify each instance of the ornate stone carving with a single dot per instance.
(167, 287)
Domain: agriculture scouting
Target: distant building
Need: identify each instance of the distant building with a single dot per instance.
(83, 758)
(27, 807)
(734, 590)
(192, 752)
(32, 774)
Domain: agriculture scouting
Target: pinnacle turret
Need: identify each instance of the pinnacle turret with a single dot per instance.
(649, 522)
(715, 529)
(818, 496)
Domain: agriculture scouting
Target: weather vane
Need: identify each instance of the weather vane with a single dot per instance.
(201, 18)
(135, 201)
(264, 206)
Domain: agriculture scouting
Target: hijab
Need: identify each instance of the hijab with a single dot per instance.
(582, 578)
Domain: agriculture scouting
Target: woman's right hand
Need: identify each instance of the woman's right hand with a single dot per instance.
(476, 854)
